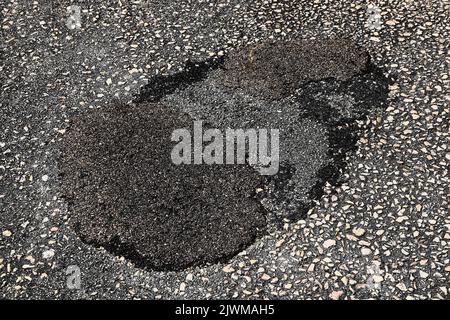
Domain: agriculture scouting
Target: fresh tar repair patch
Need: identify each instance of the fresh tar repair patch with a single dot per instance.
(126, 195)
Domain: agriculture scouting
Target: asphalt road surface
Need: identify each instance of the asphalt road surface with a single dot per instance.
(359, 208)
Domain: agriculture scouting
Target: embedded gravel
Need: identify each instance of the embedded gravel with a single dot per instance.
(384, 232)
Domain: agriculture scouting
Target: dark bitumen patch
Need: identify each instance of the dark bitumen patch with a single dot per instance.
(338, 104)
(127, 196)
(275, 70)
(322, 88)
(162, 85)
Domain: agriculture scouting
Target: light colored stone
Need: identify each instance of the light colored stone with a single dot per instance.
(401, 219)
(279, 243)
(359, 232)
(335, 295)
(377, 278)
(228, 269)
(329, 243)
(401, 286)
(391, 22)
(48, 254)
(265, 276)
(423, 274)
(7, 233)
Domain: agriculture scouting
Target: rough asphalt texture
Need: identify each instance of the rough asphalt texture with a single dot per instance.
(384, 233)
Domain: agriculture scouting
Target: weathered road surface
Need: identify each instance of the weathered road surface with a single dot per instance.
(382, 232)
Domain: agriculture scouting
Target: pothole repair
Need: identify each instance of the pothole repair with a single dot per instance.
(126, 195)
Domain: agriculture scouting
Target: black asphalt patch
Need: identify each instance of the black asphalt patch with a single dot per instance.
(126, 195)
(312, 91)
(275, 70)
